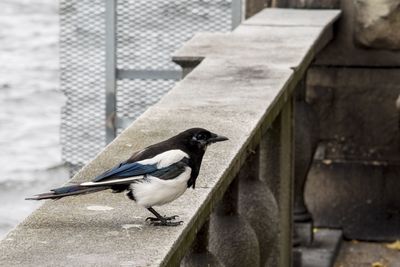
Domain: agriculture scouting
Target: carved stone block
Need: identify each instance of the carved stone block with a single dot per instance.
(377, 23)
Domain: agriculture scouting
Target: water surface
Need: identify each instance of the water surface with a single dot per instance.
(30, 103)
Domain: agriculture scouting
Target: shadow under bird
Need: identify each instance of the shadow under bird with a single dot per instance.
(154, 176)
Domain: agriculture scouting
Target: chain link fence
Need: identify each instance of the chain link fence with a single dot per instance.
(147, 33)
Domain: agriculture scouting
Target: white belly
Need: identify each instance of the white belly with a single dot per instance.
(157, 192)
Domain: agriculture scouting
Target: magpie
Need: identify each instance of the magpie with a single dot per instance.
(153, 176)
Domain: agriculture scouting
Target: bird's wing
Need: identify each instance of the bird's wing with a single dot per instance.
(145, 166)
(172, 171)
(126, 170)
(166, 165)
(124, 176)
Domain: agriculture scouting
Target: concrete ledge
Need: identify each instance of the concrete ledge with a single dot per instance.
(237, 91)
(282, 17)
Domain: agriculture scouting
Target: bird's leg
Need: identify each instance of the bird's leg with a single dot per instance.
(159, 217)
(162, 220)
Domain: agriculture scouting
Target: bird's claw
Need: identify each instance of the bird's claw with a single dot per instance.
(173, 217)
(154, 219)
(166, 223)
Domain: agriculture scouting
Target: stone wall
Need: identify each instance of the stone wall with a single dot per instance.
(354, 80)
(353, 86)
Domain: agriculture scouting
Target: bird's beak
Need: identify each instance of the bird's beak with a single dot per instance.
(217, 138)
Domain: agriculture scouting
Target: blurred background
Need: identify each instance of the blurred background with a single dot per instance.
(30, 104)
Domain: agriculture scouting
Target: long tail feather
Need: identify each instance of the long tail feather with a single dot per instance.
(67, 191)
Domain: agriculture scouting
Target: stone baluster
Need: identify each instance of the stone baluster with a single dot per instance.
(269, 155)
(269, 175)
(258, 205)
(199, 255)
(232, 239)
(306, 141)
(276, 170)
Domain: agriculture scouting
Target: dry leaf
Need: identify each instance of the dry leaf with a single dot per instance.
(327, 161)
(378, 264)
(395, 245)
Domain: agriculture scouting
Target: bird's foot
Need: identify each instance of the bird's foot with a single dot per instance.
(164, 221)
(169, 218)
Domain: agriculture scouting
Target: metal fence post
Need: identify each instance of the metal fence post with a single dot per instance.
(237, 12)
(111, 69)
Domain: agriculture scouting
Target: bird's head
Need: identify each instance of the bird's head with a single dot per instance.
(196, 141)
(201, 138)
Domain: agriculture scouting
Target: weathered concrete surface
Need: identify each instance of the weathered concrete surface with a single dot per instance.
(359, 254)
(343, 50)
(378, 23)
(264, 39)
(297, 29)
(293, 17)
(236, 94)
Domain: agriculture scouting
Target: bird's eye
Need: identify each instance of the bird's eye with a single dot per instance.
(201, 136)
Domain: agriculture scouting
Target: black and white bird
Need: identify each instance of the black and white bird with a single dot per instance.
(154, 176)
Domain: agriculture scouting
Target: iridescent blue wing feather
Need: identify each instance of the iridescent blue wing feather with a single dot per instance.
(127, 170)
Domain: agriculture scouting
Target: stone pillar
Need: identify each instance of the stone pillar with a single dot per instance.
(232, 239)
(199, 255)
(258, 205)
